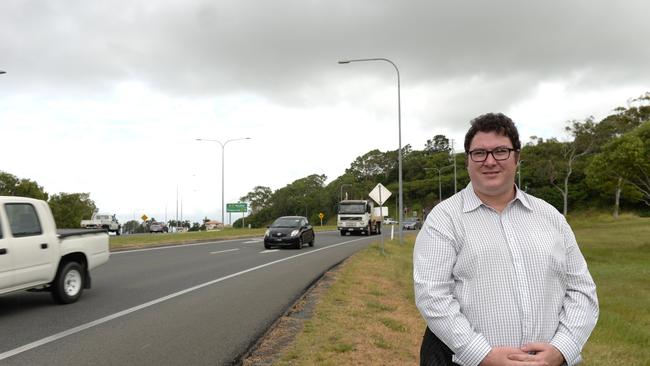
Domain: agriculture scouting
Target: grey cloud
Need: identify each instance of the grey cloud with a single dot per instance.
(280, 47)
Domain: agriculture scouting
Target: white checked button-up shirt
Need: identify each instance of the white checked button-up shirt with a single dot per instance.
(487, 279)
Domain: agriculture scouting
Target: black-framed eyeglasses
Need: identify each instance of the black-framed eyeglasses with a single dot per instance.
(500, 153)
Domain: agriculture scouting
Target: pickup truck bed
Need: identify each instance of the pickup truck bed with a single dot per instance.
(64, 233)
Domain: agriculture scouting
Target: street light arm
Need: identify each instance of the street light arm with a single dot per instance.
(371, 59)
(223, 172)
(399, 129)
(239, 139)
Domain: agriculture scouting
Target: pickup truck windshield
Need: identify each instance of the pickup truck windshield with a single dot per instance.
(352, 208)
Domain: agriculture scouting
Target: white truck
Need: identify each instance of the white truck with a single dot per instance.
(107, 222)
(35, 256)
(358, 216)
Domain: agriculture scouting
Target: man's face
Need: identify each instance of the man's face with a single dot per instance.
(492, 177)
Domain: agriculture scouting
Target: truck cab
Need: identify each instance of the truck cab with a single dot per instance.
(358, 216)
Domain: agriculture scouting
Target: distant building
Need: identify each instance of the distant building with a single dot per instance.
(213, 225)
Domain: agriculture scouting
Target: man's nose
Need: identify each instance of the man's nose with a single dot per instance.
(490, 160)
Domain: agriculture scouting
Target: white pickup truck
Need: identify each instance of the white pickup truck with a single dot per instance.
(35, 256)
(107, 222)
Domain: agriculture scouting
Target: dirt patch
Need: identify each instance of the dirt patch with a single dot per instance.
(269, 348)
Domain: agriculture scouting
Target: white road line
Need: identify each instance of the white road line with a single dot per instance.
(223, 251)
(253, 241)
(77, 329)
(270, 250)
(174, 246)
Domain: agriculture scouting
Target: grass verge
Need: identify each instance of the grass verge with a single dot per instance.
(368, 316)
(123, 242)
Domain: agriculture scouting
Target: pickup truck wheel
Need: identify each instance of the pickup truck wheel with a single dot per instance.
(68, 283)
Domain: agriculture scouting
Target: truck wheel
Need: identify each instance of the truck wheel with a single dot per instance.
(342, 232)
(368, 233)
(68, 283)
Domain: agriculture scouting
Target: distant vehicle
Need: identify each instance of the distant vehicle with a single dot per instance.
(291, 231)
(35, 256)
(358, 216)
(104, 221)
(158, 227)
(412, 224)
(389, 221)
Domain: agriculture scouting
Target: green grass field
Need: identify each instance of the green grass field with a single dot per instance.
(368, 316)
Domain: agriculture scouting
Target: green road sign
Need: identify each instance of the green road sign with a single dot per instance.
(236, 207)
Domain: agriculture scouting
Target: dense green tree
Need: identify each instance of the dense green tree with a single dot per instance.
(258, 198)
(439, 143)
(371, 165)
(70, 208)
(132, 226)
(10, 185)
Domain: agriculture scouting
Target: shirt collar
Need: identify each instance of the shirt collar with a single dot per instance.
(471, 201)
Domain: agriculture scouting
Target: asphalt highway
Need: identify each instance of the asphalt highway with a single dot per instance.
(199, 304)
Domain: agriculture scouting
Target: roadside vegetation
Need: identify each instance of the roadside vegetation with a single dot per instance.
(368, 316)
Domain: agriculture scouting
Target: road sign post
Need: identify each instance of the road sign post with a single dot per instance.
(321, 215)
(237, 207)
(380, 194)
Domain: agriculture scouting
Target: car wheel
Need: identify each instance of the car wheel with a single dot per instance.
(68, 283)
(313, 239)
(299, 243)
(266, 246)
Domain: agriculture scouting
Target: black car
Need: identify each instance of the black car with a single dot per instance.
(289, 231)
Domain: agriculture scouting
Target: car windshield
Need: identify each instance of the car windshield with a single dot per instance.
(352, 208)
(286, 222)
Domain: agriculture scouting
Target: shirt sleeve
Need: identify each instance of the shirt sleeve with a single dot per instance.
(434, 257)
(580, 307)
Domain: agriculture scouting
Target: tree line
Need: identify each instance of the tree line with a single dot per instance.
(68, 209)
(601, 165)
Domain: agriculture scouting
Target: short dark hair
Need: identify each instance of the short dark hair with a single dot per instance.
(493, 122)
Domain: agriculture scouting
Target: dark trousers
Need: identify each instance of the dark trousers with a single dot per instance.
(433, 352)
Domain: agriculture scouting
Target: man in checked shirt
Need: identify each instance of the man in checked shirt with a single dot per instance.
(499, 277)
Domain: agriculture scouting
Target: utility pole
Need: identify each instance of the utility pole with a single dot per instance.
(453, 157)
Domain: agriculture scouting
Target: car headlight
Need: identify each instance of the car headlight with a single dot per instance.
(267, 232)
(295, 232)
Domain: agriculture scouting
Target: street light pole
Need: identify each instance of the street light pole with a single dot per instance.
(399, 130)
(439, 170)
(453, 156)
(223, 151)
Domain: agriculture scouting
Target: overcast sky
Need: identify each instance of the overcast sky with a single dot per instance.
(108, 97)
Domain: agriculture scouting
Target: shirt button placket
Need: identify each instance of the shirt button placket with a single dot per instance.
(521, 280)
